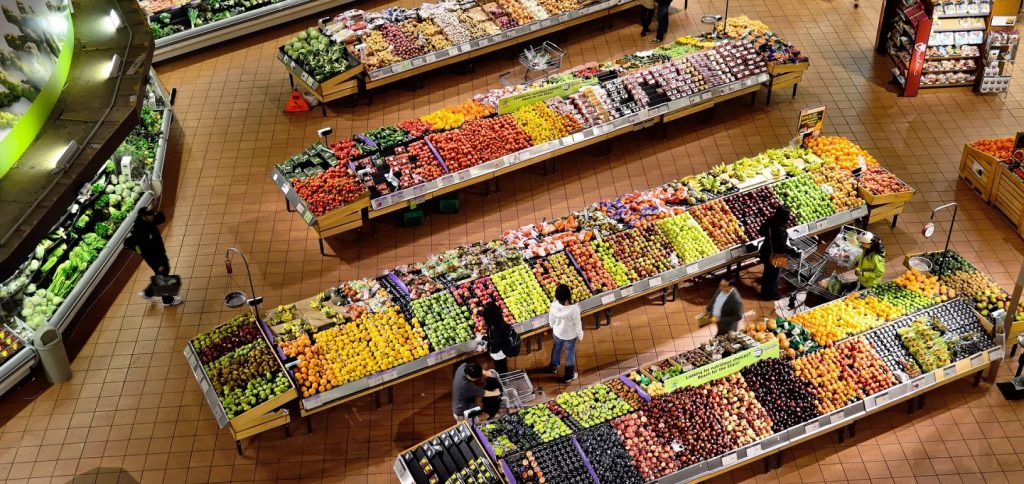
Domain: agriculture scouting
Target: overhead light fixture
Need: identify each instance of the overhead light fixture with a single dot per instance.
(115, 66)
(65, 157)
(115, 19)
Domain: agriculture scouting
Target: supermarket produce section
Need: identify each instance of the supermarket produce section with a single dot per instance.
(425, 315)
(340, 187)
(896, 342)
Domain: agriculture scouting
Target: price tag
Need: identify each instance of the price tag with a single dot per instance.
(433, 358)
(881, 399)
(578, 137)
(417, 62)
(691, 269)
(419, 189)
(977, 360)
(389, 375)
(463, 175)
(508, 34)
(605, 300)
(204, 384)
(836, 417)
(729, 459)
(301, 209)
(374, 380)
(447, 180)
(431, 58)
(705, 95)
(812, 427)
(626, 291)
(949, 371)
(275, 177)
(284, 189)
(655, 281)
(995, 354)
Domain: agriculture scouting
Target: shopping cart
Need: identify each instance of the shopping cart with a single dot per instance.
(534, 63)
(825, 273)
(517, 391)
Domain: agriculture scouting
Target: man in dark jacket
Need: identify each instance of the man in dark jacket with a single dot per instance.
(145, 240)
(662, 15)
(725, 308)
(776, 242)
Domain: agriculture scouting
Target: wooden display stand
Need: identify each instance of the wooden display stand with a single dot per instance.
(342, 219)
(881, 207)
(785, 75)
(978, 169)
(1008, 196)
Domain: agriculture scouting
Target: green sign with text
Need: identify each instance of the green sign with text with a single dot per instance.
(516, 102)
(724, 367)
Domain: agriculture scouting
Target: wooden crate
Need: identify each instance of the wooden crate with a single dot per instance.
(1008, 195)
(349, 217)
(885, 211)
(779, 69)
(888, 198)
(978, 169)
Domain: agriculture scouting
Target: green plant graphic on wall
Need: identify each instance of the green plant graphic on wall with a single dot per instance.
(28, 53)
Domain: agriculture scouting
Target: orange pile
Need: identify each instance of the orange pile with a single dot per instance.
(1000, 148)
(841, 151)
(825, 371)
(926, 285)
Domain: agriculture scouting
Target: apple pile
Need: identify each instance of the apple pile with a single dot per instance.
(509, 433)
(804, 198)
(621, 274)
(416, 127)
(787, 399)
(719, 223)
(841, 186)
(414, 164)
(557, 269)
(864, 368)
(546, 424)
(830, 381)
(495, 137)
(598, 278)
(475, 295)
(444, 320)
(644, 250)
(753, 207)
(521, 292)
(330, 189)
(743, 416)
(691, 418)
(652, 457)
(593, 405)
(988, 296)
(878, 181)
(217, 342)
(688, 239)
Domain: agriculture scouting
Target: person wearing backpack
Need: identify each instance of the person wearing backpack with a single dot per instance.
(501, 339)
(566, 331)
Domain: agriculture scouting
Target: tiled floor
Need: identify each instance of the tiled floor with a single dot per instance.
(132, 412)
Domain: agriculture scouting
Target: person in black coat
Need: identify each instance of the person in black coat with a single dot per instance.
(776, 241)
(146, 241)
(497, 337)
(726, 307)
(661, 9)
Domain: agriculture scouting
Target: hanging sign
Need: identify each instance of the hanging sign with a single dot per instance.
(724, 367)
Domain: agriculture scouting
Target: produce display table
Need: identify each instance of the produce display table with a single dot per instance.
(783, 76)
(956, 315)
(356, 80)
(50, 289)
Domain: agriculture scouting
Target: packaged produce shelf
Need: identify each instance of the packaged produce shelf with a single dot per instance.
(589, 306)
(236, 26)
(64, 313)
(346, 83)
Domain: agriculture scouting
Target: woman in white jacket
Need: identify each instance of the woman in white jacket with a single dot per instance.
(566, 329)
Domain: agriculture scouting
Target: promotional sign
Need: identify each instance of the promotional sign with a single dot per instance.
(811, 122)
(509, 104)
(724, 367)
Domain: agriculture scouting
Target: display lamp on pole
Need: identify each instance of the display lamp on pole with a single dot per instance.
(323, 133)
(929, 230)
(237, 298)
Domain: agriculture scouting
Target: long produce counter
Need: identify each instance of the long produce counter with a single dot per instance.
(357, 79)
(434, 459)
(51, 287)
(340, 187)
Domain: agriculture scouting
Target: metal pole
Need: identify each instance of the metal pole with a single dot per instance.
(949, 234)
(254, 302)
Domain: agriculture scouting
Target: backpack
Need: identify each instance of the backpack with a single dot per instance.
(514, 343)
